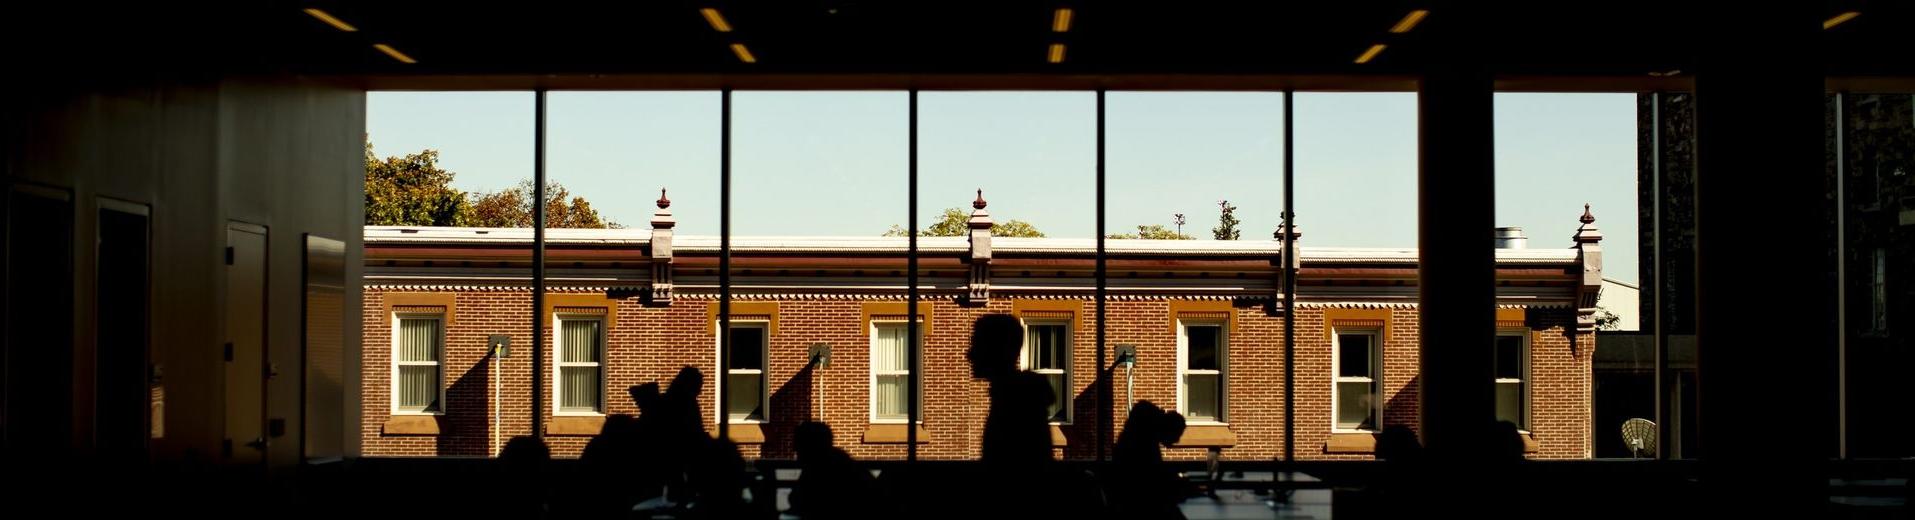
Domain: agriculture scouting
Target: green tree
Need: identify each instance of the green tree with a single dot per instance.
(513, 208)
(412, 190)
(1606, 320)
(1152, 232)
(953, 223)
(1226, 222)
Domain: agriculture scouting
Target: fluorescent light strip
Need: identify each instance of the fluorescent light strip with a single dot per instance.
(717, 20)
(394, 53)
(1409, 21)
(1057, 53)
(743, 53)
(1061, 20)
(1370, 54)
(330, 20)
(1840, 19)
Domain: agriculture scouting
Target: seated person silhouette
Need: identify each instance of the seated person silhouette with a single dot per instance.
(830, 483)
(1141, 484)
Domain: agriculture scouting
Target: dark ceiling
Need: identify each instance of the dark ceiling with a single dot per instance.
(951, 44)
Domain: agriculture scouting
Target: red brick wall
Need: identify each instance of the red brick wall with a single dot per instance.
(650, 344)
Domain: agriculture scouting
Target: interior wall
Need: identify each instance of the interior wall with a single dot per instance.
(283, 153)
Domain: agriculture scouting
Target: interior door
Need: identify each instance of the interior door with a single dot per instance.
(244, 351)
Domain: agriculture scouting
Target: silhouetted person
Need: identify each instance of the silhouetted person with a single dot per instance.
(522, 465)
(1509, 442)
(1016, 445)
(611, 471)
(1397, 444)
(1017, 429)
(1140, 483)
(830, 483)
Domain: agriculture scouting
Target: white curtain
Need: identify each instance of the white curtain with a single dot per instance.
(888, 358)
(579, 385)
(418, 383)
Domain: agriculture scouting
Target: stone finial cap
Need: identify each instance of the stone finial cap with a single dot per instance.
(662, 219)
(980, 219)
(1587, 233)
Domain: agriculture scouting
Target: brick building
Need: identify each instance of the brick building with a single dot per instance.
(632, 306)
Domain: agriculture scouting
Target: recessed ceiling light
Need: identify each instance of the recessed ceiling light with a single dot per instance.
(717, 20)
(394, 53)
(1370, 54)
(1061, 20)
(330, 20)
(743, 53)
(1409, 21)
(1057, 53)
(1840, 19)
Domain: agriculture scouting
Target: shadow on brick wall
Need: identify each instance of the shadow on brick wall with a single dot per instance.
(463, 432)
(791, 405)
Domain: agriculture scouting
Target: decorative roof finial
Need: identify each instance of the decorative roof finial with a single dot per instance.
(1587, 218)
(662, 201)
(979, 203)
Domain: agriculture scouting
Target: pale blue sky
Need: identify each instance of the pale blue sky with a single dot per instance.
(834, 163)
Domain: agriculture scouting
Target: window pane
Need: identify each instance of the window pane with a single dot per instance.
(579, 341)
(1033, 153)
(746, 396)
(419, 388)
(580, 389)
(418, 340)
(1356, 401)
(1201, 397)
(890, 397)
(1048, 347)
(1353, 355)
(747, 348)
(1509, 357)
(888, 353)
(1203, 347)
(1509, 403)
(1060, 394)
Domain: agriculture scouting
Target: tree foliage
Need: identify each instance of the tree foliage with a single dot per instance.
(412, 190)
(513, 208)
(1226, 222)
(1606, 320)
(953, 223)
(1152, 232)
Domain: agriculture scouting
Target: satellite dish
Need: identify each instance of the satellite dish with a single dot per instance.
(1640, 435)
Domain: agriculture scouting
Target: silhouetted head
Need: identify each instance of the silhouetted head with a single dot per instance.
(1509, 442)
(524, 452)
(995, 342)
(811, 437)
(687, 384)
(616, 424)
(1173, 428)
(645, 396)
(1398, 443)
(1143, 426)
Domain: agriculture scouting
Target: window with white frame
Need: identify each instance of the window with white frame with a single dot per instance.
(579, 387)
(890, 370)
(1358, 380)
(1202, 349)
(1047, 352)
(417, 349)
(1512, 378)
(745, 390)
